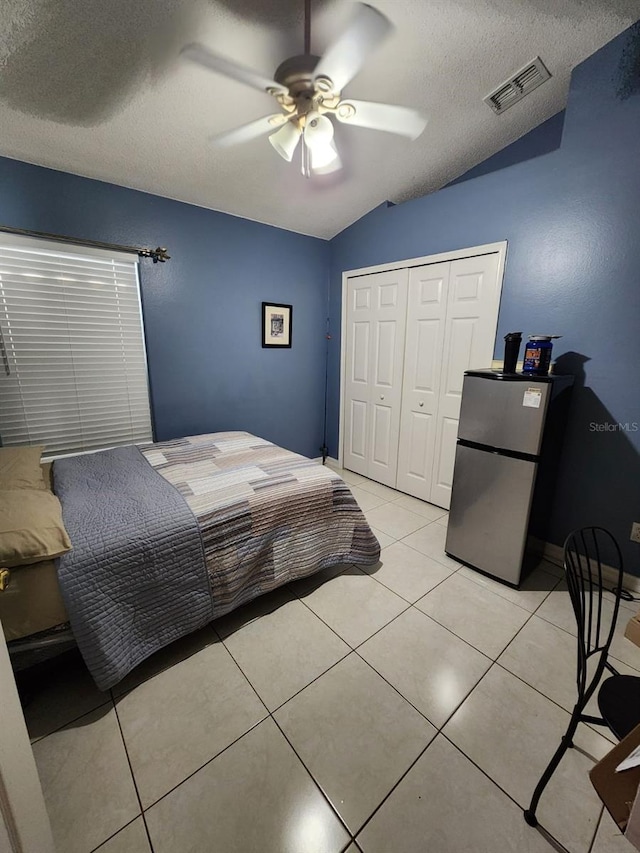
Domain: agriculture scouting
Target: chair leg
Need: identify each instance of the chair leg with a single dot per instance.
(565, 744)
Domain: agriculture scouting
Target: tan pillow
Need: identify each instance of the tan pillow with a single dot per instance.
(20, 468)
(31, 528)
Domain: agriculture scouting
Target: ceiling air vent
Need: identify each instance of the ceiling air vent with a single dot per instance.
(519, 86)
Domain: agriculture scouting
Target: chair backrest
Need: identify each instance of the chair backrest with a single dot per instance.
(586, 552)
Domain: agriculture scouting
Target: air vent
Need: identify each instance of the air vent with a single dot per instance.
(519, 86)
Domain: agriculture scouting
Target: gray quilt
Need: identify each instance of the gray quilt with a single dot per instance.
(136, 578)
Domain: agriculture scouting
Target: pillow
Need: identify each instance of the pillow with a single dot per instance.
(31, 527)
(20, 468)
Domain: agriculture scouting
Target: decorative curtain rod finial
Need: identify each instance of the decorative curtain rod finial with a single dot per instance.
(158, 255)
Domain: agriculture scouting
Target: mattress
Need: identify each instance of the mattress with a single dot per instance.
(31, 601)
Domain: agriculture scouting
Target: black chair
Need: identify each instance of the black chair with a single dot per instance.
(586, 551)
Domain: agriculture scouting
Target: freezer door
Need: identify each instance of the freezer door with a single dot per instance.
(504, 414)
(489, 513)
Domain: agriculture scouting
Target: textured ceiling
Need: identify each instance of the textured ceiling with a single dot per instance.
(97, 88)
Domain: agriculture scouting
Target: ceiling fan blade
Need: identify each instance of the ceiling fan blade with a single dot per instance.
(346, 56)
(387, 117)
(247, 132)
(201, 55)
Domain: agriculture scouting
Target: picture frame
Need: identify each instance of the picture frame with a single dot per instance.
(277, 325)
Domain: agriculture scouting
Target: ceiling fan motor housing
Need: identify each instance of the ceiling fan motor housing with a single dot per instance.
(296, 73)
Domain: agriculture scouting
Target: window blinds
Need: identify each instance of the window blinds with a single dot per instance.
(73, 373)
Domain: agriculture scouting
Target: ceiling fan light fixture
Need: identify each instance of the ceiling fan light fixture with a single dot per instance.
(285, 141)
(325, 159)
(318, 139)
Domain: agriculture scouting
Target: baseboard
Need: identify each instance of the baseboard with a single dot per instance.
(555, 554)
(330, 461)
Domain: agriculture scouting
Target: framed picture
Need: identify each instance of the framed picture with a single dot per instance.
(276, 324)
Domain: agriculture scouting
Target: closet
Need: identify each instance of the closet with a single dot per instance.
(409, 335)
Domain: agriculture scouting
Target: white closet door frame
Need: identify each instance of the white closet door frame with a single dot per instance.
(24, 822)
(489, 248)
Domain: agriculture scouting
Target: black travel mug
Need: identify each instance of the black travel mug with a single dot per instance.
(511, 351)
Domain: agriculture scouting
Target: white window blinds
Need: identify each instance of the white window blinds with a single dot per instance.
(73, 373)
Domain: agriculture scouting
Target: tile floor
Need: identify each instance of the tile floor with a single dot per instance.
(406, 708)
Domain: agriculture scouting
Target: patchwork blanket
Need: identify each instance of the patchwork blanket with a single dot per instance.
(136, 577)
(266, 515)
(170, 535)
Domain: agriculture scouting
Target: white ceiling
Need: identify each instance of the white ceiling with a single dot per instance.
(97, 88)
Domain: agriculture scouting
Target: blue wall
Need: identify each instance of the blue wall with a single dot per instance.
(572, 221)
(543, 139)
(202, 309)
(571, 215)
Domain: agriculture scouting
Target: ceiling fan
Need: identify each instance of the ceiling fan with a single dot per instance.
(308, 90)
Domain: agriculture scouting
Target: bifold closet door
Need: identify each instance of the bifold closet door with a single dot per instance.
(426, 316)
(472, 317)
(375, 341)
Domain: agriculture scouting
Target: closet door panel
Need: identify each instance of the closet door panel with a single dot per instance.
(426, 315)
(416, 437)
(376, 316)
(360, 291)
(358, 432)
(387, 356)
(472, 318)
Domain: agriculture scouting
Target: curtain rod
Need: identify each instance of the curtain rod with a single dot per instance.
(158, 255)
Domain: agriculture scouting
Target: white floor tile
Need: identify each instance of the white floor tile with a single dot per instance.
(533, 590)
(179, 719)
(609, 838)
(131, 839)
(260, 607)
(355, 735)
(511, 731)
(304, 586)
(366, 500)
(446, 805)
(256, 796)
(354, 605)
(166, 658)
(383, 538)
(379, 489)
(394, 520)
(427, 664)
(407, 572)
(284, 651)
(351, 477)
(557, 609)
(545, 657)
(430, 540)
(485, 620)
(86, 781)
(429, 511)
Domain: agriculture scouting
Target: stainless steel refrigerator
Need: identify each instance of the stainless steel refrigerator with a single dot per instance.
(509, 443)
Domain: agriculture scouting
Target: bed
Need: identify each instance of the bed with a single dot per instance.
(171, 535)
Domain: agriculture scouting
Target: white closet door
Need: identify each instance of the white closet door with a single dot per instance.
(472, 317)
(360, 293)
(376, 318)
(426, 315)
